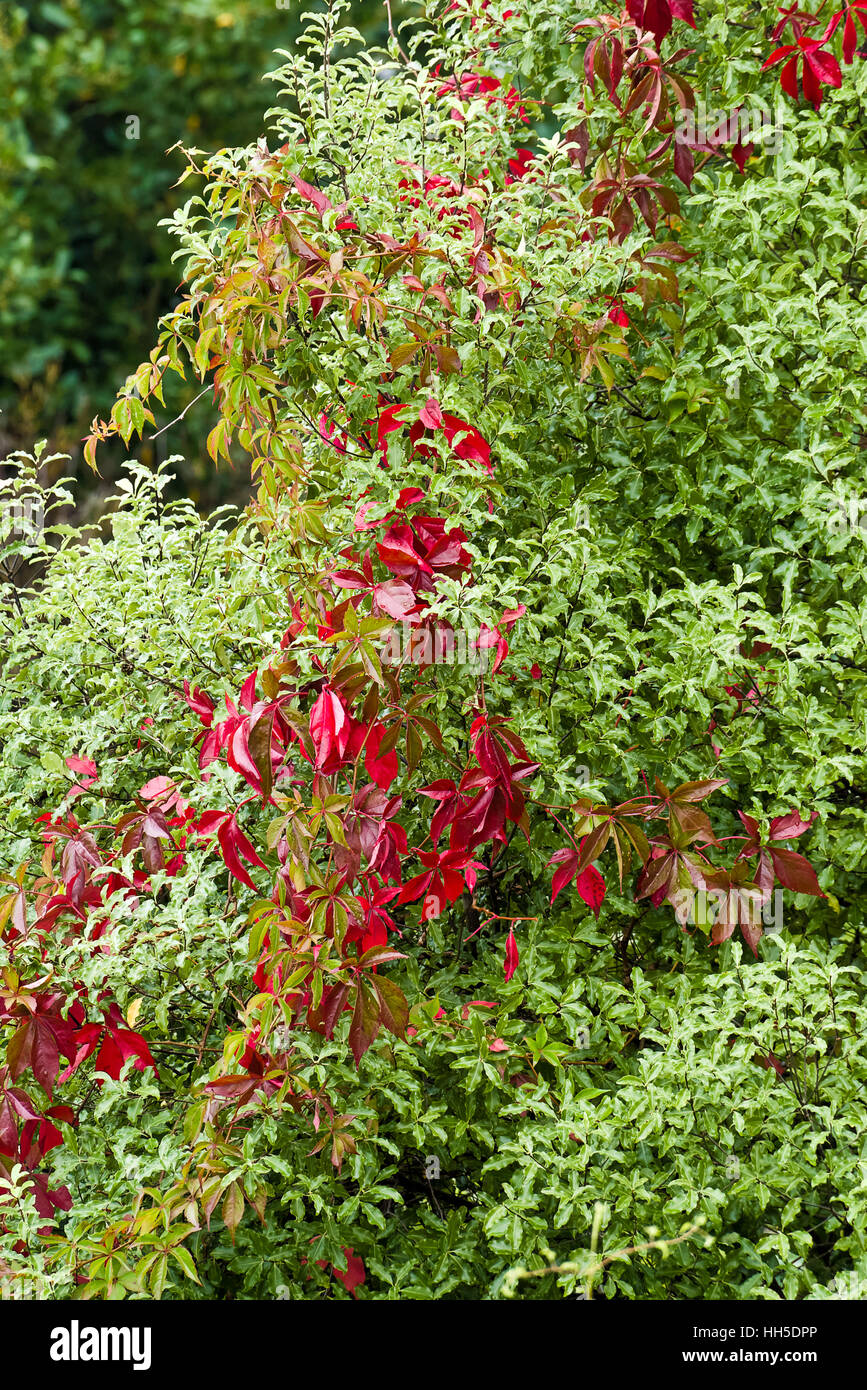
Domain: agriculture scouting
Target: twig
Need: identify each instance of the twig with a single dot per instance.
(180, 417)
(588, 1272)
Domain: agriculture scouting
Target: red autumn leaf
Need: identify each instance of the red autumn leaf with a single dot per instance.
(113, 1044)
(247, 697)
(510, 964)
(365, 1022)
(795, 872)
(88, 774)
(465, 440)
(164, 790)
(657, 15)
(39, 1041)
(589, 883)
(85, 767)
(233, 843)
(771, 1061)
(443, 880)
(790, 826)
(792, 870)
(818, 67)
(476, 1004)
(568, 861)
(239, 757)
(332, 1004)
(381, 769)
(519, 165)
(431, 416)
(355, 1273)
(40, 1135)
(200, 703)
(854, 11)
(398, 553)
(15, 1105)
(492, 637)
(446, 793)
(329, 729)
(311, 194)
(395, 597)
(118, 1047)
(591, 887)
(49, 1200)
(471, 445)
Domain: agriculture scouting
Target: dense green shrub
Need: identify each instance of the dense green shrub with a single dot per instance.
(649, 1094)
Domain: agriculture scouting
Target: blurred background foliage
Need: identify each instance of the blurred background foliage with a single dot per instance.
(92, 95)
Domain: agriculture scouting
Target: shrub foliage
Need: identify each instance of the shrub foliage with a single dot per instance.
(453, 867)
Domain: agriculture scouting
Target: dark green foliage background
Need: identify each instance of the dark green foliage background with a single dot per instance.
(85, 270)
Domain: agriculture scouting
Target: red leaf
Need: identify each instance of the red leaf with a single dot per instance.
(825, 66)
(130, 1044)
(84, 766)
(789, 78)
(472, 446)
(239, 759)
(510, 964)
(329, 730)
(795, 872)
(397, 552)
(311, 194)
(778, 55)
(382, 770)
(591, 886)
(772, 1061)
(355, 1271)
(247, 697)
(200, 703)
(568, 860)
(657, 15)
(34, 1045)
(365, 1020)
(233, 842)
(789, 826)
(394, 597)
(432, 417)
